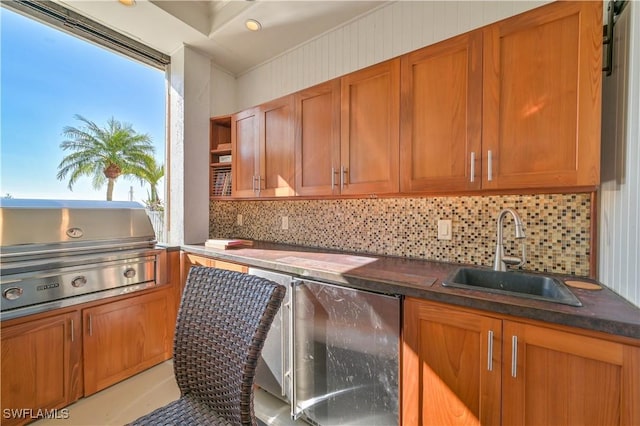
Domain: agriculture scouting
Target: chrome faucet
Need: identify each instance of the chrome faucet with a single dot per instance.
(501, 261)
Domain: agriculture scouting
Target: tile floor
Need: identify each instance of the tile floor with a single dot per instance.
(143, 393)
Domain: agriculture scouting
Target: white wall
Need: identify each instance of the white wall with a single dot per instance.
(189, 107)
(619, 249)
(223, 92)
(385, 33)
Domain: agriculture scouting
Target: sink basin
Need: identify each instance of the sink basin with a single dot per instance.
(530, 286)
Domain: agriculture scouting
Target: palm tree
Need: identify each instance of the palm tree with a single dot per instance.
(104, 153)
(152, 174)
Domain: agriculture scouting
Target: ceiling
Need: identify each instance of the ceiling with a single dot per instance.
(216, 27)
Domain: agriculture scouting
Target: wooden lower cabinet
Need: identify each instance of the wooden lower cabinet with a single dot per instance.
(558, 377)
(189, 260)
(125, 337)
(463, 367)
(41, 367)
(451, 366)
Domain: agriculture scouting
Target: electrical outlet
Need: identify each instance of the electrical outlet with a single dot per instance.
(239, 220)
(444, 229)
(285, 222)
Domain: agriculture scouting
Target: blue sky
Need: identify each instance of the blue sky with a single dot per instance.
(47, 77)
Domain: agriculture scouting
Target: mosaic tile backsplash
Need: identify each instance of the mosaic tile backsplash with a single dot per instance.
(557, 227)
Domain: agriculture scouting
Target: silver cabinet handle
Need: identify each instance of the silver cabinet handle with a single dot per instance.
(343, 176)
(489, 165)
(514, 356)
(473, 166)
(253, 184)
(334, 172)
(259, 184)
(490, 350)
(90, 326)
(72, 333)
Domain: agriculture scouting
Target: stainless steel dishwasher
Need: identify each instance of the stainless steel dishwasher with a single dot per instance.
(345, 355)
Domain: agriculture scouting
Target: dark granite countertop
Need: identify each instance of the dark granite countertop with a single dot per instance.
(603, 310)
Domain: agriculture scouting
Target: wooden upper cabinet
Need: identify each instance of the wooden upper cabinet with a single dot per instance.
(276, 172)
(451, 366)
(245, 152)
(441, 116)
(542, 98)
(317, 139)
(569, 379)
(370, 115)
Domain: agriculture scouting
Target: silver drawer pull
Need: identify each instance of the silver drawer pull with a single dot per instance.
(130, 273)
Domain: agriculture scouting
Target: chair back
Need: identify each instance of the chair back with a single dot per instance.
(222, 324)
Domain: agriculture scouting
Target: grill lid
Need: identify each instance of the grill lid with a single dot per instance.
(41, 228)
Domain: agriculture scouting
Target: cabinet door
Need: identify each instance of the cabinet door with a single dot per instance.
(451, 366)
(370, 116)
(542, 98)
(41, 367)
(245, 152)
(441, 116)
(125, 337)
(557, 377)
(276, 176)
(318, 139)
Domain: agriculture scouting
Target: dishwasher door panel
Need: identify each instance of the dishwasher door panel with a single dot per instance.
(346, 355)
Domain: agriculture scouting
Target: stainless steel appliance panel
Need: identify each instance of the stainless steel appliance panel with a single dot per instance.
(57, 253)
(43, 228)
(273, 370)
(346, 355)
(27, 289)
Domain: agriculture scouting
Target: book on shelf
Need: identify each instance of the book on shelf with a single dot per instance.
(218, 183)
(223, 244)
(226, 184)
(222, 183)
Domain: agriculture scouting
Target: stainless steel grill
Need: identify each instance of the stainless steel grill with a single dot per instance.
(59, 253)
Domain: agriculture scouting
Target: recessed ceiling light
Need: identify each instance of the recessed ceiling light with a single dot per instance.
(128, 2)
(253, 25)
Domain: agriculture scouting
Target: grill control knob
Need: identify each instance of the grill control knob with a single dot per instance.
(12, 293)
(79, 281)
(130, 273)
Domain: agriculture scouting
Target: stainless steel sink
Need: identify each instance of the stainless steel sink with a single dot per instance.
(530, 286)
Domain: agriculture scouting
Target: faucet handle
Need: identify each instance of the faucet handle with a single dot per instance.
(514, 260)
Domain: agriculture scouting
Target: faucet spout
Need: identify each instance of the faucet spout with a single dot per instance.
(500, 261)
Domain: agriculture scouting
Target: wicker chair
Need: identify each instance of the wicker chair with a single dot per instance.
(222, 323)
